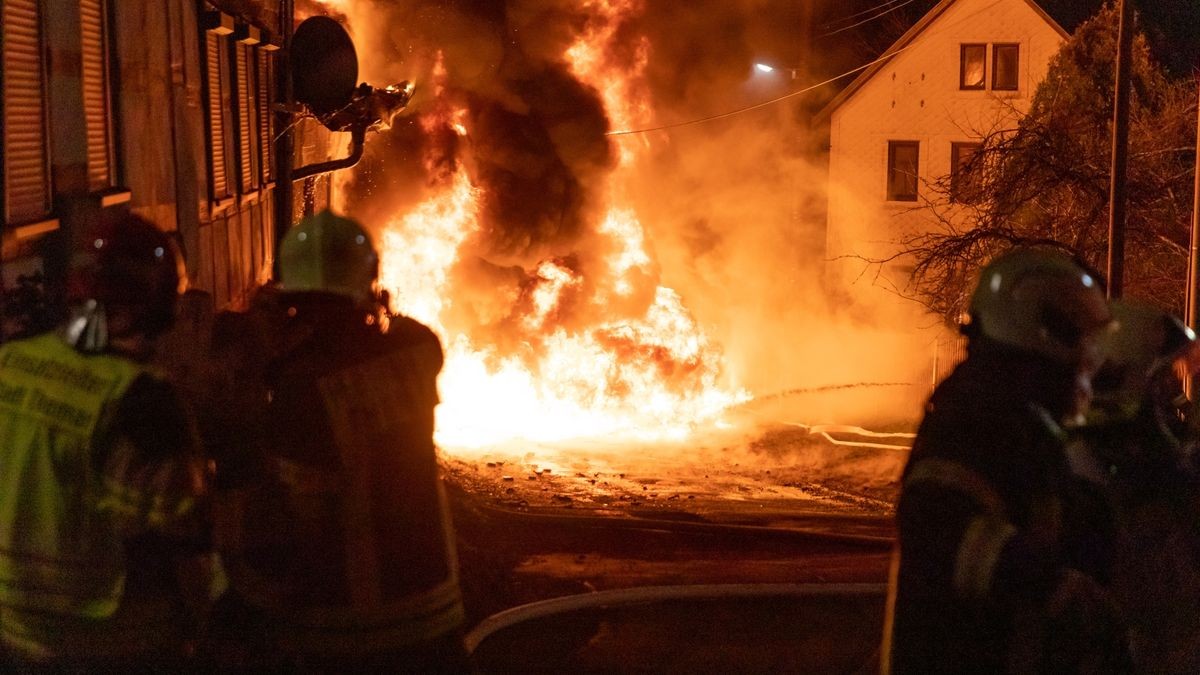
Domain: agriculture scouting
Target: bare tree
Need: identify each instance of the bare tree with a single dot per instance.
(1045, 180)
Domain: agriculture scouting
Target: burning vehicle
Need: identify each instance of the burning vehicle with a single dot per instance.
(597, 431)
(508, 203)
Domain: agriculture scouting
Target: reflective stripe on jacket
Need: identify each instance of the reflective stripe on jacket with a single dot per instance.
(62, 568)
(986, 535)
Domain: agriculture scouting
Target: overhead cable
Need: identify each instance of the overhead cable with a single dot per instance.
(834, 22)
(756, 106)
(867, 20)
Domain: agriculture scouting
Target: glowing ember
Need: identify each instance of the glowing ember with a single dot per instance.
(593, 347)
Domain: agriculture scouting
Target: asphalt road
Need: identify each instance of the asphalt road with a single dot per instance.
(826, 628)
(512, 556)
(787, 513)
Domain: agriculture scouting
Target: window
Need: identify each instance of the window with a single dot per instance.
(239, 94)
(965, 173)
(26, 156)
(218, 27)
(93, 28)
(1005, 62)
(903, 159)
(247, 109)
(972, 72)
(266, 118)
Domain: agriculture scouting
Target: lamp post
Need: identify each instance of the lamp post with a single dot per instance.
(767, 68)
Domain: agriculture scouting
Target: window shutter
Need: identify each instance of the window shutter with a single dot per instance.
(26, 157)
(216, 117)
(247, 124)
(266, 120)
(94, 50)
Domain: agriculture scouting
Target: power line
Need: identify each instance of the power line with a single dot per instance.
(831, 24)
(756, 106)
(868, 19)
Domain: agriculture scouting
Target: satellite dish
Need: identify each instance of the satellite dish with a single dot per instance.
(324, 65)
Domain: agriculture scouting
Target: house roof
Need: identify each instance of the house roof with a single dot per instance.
(905, 41)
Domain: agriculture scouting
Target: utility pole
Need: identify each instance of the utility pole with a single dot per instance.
(1192, 314)
(1117, 203)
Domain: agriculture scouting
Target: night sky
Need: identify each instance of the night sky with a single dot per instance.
(1173, 26)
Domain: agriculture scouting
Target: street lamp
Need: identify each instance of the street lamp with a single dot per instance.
(767, 68)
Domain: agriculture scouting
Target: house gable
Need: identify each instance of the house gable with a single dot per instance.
(906, 41)
(906, 118)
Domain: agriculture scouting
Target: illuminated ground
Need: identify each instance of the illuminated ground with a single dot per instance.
(778, 474)
(782, 505)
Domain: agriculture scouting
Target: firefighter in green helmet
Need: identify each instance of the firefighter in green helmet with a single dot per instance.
(336, 537)
(100, 478)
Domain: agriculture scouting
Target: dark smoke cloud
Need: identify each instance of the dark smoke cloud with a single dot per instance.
(538, 150)
(732, 208)
(540, 165)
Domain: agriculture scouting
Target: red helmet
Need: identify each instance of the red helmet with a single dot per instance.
(129, 264)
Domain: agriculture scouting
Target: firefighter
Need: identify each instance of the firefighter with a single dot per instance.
(1137, 452)
(100, 486)
(1001, 560)
(336, 538)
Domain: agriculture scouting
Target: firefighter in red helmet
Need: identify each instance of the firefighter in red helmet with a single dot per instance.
(336, 536)
(99, 478)
(1003, 556)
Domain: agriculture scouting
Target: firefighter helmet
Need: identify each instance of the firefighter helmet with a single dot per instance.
(129, 265)
(331, 254)
(1144, 344)
(1040, 301)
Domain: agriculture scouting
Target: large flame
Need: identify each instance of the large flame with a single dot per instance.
(649, 375)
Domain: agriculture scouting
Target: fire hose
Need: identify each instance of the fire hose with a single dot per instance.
(626, 597)
(825, 431)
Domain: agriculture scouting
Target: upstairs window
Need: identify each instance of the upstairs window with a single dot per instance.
(1005, 66)
(903, 161)
(266, 117)
(26, 155)
(97, 105)
(249, 150)
(218, 85)
(972, 72)
(965, 173)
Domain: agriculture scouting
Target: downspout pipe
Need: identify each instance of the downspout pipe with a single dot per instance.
(358, 135)
(284, 150)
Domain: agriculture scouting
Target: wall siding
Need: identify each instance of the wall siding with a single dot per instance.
(916, 97)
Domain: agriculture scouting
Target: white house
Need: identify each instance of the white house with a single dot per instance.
(966, 68)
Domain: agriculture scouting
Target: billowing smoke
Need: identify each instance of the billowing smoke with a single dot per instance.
(733, 207)
(538, 149)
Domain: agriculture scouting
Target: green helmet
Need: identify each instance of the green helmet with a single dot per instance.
(1143, 346)
(1040, 301)
(328, 253)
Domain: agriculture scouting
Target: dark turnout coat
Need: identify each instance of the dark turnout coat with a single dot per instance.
(334, 526)
(991, 525)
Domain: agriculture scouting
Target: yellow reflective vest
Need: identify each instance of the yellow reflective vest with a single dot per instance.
(62, 567)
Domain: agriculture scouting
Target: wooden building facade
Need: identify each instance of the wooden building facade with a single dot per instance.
(166, 108)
